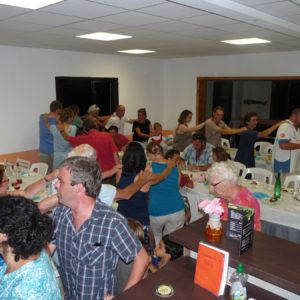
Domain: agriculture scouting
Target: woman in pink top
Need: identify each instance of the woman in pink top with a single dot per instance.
(223, 180)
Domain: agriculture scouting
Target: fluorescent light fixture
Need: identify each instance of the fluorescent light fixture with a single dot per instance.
(136, 51)
(104, 36)
(31, 4)
(249, 41)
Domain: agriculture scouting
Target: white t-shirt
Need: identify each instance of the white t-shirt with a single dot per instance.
(116, 121)
(157, 138)
(286, 133)
(107, 194)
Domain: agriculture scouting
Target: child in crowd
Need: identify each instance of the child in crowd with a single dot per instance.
(124, 269)
(164, 252)
(159, 138)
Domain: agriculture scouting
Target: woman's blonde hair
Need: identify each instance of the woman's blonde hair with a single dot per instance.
(155, 148)
(66, 114)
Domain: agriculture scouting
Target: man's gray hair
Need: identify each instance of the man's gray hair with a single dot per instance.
(223, 171)
(85, 171)
(84, 150)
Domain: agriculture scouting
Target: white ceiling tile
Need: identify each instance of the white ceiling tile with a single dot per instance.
(44, 18)
(67, 32)
(133, 31)
(132, 19)
(172, 11)
(93, 26)
(279, 9)
(129, 4)
(255, 2)
(203, 32)
(170, 29)
(293, 19)
(82, 9)
(238, 28)
(24, 26)
(209, 20)
(7, 11)
(270, 35)
(171, 26)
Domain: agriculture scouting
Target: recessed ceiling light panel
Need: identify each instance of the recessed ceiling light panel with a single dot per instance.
(104, 36)
(31, 4)
(136, 51)
(249, 41)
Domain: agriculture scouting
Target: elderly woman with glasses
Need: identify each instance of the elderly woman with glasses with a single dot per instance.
(223, 181)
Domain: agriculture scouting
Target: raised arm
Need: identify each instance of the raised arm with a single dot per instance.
(183, 128)
(116, 158)
(48, 203)
(143, 178)
(232, 130)
(270, 130)
(158, 177)
(45, 116)
(37, 186)
(112, 171)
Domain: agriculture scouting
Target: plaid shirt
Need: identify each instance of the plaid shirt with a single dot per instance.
(88, 258)
(189, 155)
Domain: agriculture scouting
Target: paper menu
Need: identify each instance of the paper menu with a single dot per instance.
(211, 268)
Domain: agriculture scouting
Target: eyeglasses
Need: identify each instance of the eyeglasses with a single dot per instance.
(216, 184)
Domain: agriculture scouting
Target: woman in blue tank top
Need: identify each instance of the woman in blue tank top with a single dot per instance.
(134, 161)
(166, 207)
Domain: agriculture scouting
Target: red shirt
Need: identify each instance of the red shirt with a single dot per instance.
(103, 144)
(121, 140)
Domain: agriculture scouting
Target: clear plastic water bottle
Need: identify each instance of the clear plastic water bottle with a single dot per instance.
(238, 290)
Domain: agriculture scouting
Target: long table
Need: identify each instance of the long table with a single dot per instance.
(261, 161)
(281, 218)
(180, 274)
(273, 260)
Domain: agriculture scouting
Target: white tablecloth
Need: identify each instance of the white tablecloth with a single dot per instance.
(28, 179)
(263, 162)
(284, 212)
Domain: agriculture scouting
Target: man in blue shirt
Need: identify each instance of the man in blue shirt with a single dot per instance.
(198, 155)
(46, 149)
(90, 236)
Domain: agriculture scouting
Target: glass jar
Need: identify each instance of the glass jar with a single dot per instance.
(214, 228)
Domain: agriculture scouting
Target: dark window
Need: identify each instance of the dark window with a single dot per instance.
(85, 91)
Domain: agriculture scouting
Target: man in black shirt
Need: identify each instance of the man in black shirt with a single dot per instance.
(245, 153)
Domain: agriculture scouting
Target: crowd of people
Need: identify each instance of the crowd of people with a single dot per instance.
(111, 215)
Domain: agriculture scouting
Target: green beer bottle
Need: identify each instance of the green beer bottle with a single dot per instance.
(277, 187)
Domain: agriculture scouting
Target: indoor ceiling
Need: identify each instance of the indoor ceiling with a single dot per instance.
(179, 28)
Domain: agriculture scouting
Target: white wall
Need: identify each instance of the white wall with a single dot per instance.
(180, 75)
(164, 87)
(27, 86)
